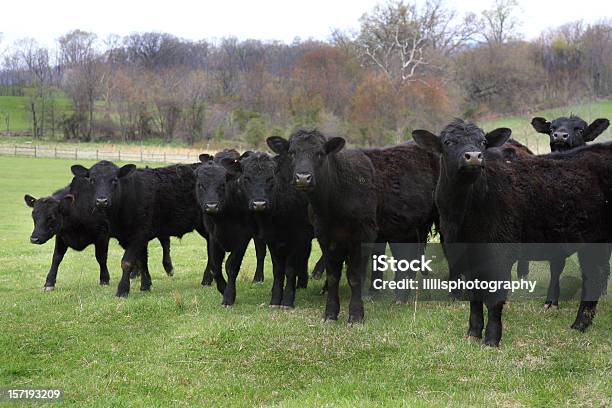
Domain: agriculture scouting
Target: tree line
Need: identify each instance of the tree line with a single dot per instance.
(407, 66)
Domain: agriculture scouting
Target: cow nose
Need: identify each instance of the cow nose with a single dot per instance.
(101, 202)
(211, 208)
(303, 179)
(560, 136)
(259, 205)
(34, 240)
(473, 158)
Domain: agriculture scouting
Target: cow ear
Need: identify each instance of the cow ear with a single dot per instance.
(498, 137)
(334, 145)
(245, 154)
(205, 157)
(29, 200)
(427, 141)
(541, 125)
(65, 203)
(79, 170)
(595, 129)
(233, 167)
(277, 144)
(126, 170)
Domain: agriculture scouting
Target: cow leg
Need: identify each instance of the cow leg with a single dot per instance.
(522, 268)
(594, 264)
(101, 256)
(278, 271)
(493, 332)
(58, 254)
(354, 275)
(129, 262)
(216, 255)
(290, 282)
(379, 249)
(209, 270)
(232, 267)
(260, 253)
(318, 269)
(145, 276)
(333, 265)
(552, 297)
(301, 264)
(166, 260)
(476, 320)
(407, 252)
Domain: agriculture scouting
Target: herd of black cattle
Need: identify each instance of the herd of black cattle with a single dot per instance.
(474, 187)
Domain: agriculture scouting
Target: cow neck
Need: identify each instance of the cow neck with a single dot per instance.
(457, 200)
(327, 182)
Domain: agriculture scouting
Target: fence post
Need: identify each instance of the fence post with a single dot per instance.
(119, 155)
(15, 150)
(76, 154)
(55, 152)
(97, 155)
(35, 151)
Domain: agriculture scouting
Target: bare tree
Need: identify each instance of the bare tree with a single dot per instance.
(500, 23)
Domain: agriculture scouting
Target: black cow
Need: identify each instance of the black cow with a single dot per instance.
(568, 133)
(361, 196)
(281, 214)
(485, 201)
(76, 226)
(139, 205)
(565, 133)
(227, 220)
(260, 246)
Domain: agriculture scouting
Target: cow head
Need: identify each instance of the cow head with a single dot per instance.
(462, 147)
(257, 180)
(104, 178)
(212, 179)
(46, 214)
(307, 150)
(568, 133)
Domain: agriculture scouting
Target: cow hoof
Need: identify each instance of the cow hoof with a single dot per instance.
(329, 318)
(122, 294)
(48, 288)
(549, 306)
(170, 273)
(226, 306)
(104, 283)
(274, 306)
(491, 343)
(258, 281)
(205, 284)
(145, 288)
(355, 319)
(286, 307)
(473, 338)
(580, 325)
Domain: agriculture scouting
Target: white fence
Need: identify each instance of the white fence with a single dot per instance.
(97, 154)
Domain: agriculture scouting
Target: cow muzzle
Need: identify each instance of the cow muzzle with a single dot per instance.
(303, 181)
(211, 208)
(259, 205)
(102, 203)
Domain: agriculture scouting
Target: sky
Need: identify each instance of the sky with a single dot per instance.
(281, 20)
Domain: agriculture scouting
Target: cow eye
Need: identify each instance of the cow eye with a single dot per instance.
(579, 130)
(448, 142)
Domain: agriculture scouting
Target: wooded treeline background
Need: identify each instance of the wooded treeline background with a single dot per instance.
(406, 67)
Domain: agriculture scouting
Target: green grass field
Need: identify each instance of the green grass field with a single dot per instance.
(176, 346)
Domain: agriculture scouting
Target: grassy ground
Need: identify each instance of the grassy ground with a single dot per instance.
(176, 346)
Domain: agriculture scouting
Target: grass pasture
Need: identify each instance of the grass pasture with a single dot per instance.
(176, 346)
